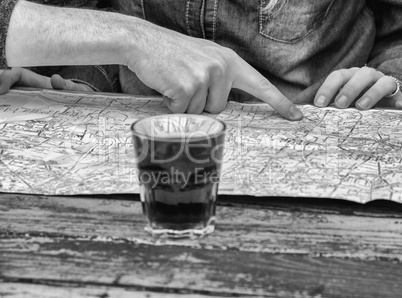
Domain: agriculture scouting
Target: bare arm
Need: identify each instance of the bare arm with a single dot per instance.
(193, 74)
(41, 35)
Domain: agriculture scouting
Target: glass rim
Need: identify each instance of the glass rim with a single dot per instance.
(175, 139)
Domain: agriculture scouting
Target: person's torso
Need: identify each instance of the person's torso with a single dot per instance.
(295, 44)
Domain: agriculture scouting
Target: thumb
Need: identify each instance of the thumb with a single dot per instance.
(59, 83)
(6, 81)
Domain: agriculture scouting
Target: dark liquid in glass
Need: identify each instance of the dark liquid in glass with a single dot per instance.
(179, 186)
(186, 205)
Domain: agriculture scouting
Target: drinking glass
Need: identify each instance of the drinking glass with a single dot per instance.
(179, 161)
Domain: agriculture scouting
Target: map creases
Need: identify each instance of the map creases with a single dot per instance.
(65, 143)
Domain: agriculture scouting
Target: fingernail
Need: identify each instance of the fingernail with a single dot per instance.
(364, 103)
(320, 101)
(342, 101)
(295, 113)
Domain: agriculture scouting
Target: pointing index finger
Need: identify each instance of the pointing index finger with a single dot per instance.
(252, 82)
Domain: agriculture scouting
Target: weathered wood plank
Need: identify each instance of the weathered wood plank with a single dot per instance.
(265, 252)
(308, 231)
(194, 271)
(29, 290)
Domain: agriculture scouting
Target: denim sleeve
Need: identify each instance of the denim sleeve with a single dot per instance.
(103, 78)
(386, 55)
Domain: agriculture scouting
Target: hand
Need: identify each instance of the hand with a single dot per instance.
(25, 78)
(196, 74)
(193, 73)
(365, 86)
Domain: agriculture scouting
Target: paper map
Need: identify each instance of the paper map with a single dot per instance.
(64, 143)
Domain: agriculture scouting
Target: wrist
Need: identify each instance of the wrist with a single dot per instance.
(136, 40)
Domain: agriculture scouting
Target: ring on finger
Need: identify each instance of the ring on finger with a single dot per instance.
(398, 87)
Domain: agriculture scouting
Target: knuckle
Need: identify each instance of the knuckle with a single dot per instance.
(226, 58)
(367, 71)
(386, 82)
(189, 91)
(220, 68)
(264, 87)
(186, 90)
(228, 52)
(350, 89)
(219, 64)
(201, 78)
(198, 79)
(393, 85)
(390, 82)
(174, 103)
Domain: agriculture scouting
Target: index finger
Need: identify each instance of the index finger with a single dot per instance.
(252, 82)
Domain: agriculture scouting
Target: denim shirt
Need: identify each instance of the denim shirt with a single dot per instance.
(296, 44)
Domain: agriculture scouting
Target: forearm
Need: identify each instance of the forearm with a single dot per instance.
(193, 74)
(44, 35)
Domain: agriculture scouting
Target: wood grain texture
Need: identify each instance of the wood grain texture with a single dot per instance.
(282, 229)
(81, 245)
(18, 290)
(189, 270)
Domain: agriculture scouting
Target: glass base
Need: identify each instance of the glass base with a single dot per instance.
(189, 233)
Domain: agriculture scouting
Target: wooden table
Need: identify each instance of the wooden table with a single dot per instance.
(96, 247)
